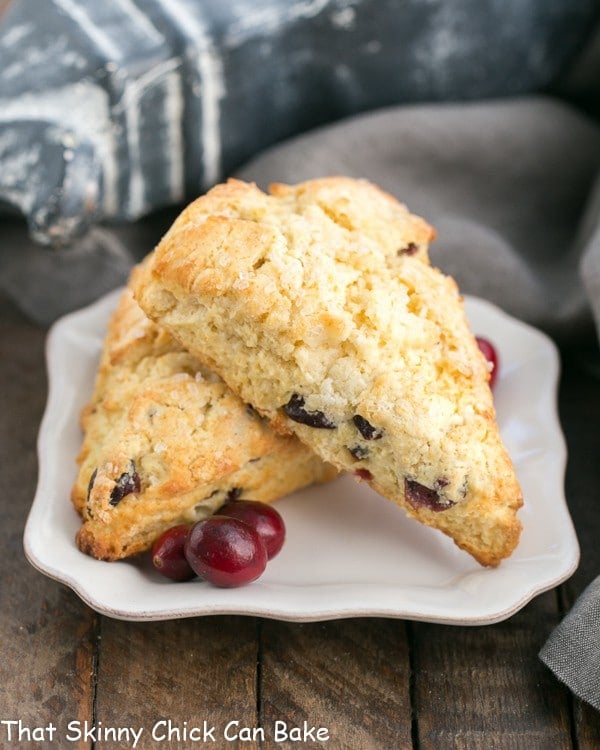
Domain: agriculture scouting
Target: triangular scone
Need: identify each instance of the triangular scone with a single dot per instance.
(166, 442)
(317, 304)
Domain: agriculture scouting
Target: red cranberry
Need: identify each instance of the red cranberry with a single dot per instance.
(366, 429)
(296, 411)
(489, 352)
(168, 556)
(127, 483)
(225, 551)
(263, 518)
(410, 249)
(420, 496)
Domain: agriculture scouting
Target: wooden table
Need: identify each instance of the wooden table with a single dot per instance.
(370, 683)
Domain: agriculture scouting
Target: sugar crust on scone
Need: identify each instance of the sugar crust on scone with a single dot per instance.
(166, 442)
(317, 304)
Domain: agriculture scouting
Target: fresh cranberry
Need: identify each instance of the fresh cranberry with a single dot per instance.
(225, 551)
(168, 556)
(489, 352)
(263, 518)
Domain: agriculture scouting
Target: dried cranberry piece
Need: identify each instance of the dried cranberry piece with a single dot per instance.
(420, 496)
(363, 474)
(410, 249)
(296, 411)
(127, 483)
(366, 429)
(359, 452)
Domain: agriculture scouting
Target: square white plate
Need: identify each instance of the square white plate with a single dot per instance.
(348, 551)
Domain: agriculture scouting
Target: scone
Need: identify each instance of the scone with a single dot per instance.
(317, 304)
(166, 442)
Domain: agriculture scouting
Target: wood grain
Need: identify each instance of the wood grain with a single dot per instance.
(484, 687)
(190, 671)
(46, 633)
(350, 676)
(587, 726)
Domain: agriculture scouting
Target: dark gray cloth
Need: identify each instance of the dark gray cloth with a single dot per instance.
(573, 650)
(49, 283)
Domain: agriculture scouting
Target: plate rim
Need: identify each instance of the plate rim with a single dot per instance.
(48, 567)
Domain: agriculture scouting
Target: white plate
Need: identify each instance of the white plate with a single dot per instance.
(348, 551)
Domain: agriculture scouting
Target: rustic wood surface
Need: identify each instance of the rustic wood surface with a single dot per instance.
(372, 683)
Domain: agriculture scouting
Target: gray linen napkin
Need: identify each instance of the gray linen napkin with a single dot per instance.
(573, 649)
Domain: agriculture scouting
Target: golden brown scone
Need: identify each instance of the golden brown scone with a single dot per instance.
(166, 442)
(317, 304)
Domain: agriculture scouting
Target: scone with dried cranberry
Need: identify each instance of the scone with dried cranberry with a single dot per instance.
(166, 442)
(317, 304)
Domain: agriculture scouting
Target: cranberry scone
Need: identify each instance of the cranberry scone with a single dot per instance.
(166, 442)
(317, 304)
